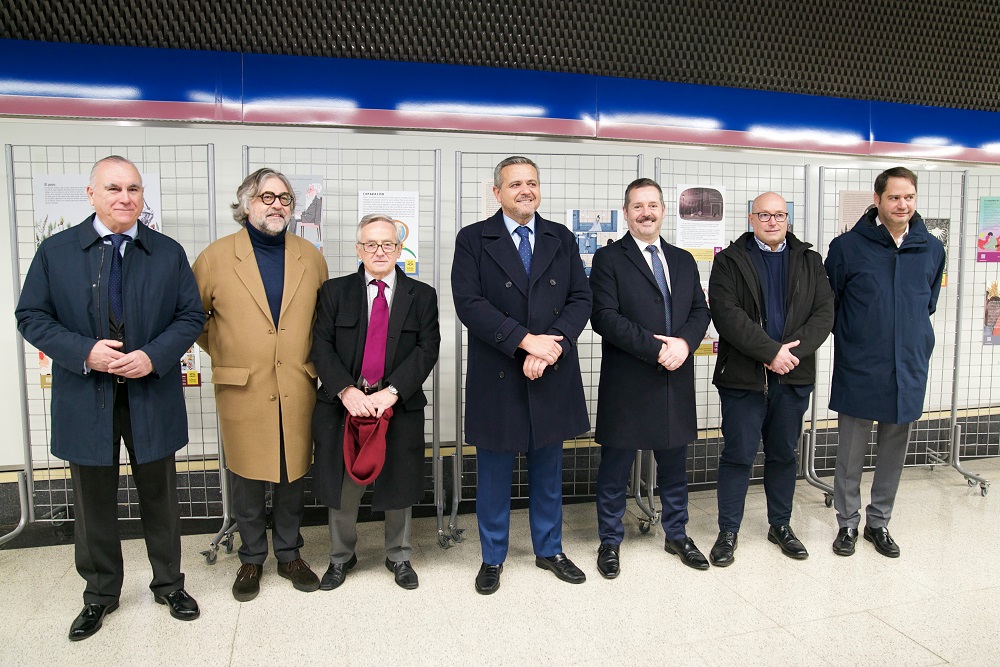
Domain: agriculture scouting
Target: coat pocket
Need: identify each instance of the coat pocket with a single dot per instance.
(232, 375)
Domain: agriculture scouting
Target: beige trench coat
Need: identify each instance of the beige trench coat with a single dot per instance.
(257, 368)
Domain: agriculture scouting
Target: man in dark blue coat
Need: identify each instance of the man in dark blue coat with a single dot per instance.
(772, 306)
(886, 276)
(520, 288)
(651, 315)
(115, 306)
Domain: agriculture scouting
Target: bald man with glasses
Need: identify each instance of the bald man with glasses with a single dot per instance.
(773, 307)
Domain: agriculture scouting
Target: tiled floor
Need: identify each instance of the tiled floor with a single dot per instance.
(939, 604)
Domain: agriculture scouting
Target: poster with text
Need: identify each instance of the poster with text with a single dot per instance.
(710, 343)
(939, 229)
(403, 206)
(593, 228)
(191, 367)
(991, 316)
(488, 205)
(307, 218)
(60, 202)
(701, 226)
(853, 204)
(989, 230)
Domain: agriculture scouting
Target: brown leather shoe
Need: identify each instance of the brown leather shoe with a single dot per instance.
(247, 583)
(302, 578)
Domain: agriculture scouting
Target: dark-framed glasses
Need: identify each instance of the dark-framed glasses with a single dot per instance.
(269, 197)
(388, 247)
(778, 217)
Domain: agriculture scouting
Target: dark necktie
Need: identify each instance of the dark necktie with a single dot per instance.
(373, 364)
(524, 247)
(661, 281)
(115, 282)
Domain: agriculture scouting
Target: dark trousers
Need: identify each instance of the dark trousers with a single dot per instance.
(495, 474)
(95, 506)
(249, 510)
(612, 480)
(748, 417)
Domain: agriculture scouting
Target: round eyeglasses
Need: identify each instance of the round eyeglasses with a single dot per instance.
(269, 197)
(388, 247)
(778, 217)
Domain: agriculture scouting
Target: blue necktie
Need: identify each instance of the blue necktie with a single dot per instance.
(524, 247)
(661, 281)
(115, 283)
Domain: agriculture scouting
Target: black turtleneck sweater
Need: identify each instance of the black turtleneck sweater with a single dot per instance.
(270, 254)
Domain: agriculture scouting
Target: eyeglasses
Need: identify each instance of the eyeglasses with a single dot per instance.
(269, 197)
(388, 247)
(778, 217)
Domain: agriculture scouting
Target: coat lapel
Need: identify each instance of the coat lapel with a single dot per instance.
(294, 270)
(248, 272)
(546, 247)
(500, 246)
(401, 301)
(360, 291)
(631, 250)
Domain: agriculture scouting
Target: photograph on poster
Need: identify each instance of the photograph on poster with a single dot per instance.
(701, 227)
(307, 218)
(852, 205)
(939, 229)
(991, 316)
(593, 228)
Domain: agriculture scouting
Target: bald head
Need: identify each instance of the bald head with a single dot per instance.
(771, 232)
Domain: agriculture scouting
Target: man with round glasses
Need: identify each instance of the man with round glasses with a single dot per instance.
(375, 342)
(772, 305)
(259, 288)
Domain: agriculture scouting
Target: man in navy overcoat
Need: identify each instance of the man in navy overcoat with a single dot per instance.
(520, 288)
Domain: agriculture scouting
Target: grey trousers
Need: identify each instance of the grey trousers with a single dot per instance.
(344, 527)
(891, 443)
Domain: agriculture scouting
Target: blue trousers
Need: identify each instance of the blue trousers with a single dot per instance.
(747, 418)
(495, 472)
(612, 480)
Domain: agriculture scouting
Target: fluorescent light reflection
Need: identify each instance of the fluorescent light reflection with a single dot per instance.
(471, 109)
(315, 102)
(661, 120)
(76, 90)
(792, 135)
(931, 141)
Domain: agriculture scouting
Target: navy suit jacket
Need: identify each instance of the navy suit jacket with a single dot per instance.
(500, 304)
(640, 404)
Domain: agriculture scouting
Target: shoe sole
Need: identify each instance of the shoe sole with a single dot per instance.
(843, 552)
(721, 563)
(111, 608)
(609, 575)
(774, 540)
(305, 588)
(246, 597)
(887, 554)
(693, 566)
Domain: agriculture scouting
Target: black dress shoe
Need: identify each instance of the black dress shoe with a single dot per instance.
(89, 621)
(688, 552)
(607, 561)
(721, 554)
(883, 542)
(298, 572)
(562, 567)
(785, 538)
(182, 606)
(406, 576)
(488, 579)
(247, 584)
(336, 573)
(844, 544)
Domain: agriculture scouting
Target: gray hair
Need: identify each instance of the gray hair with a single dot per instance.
(378, 217)
(512, 160)
(250, 188)
(116, 159)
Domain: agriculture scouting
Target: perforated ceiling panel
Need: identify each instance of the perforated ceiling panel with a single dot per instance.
(940, 53)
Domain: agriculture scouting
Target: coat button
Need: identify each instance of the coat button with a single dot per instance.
(278, 364)
(499, 336)
(509, 284)
(506, 314)
(552, 281)
(270, 331)
(659, 300)
(555, 311)
(555, 367)
(273, 397)
(501, 375)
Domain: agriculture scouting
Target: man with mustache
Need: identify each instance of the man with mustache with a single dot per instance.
(520, 288)
(649, 308)
(259, 288)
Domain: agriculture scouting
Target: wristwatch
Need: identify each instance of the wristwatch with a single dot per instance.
(393, 390)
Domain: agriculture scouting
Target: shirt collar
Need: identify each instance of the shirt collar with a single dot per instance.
(512, 224)
(643, 245)
(766, 248)
(902, 237)
(103, 231)
(389, 280)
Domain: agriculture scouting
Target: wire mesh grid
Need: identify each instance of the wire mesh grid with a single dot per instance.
(343, 173)
(939, 201)
(186, 216)
(978, 390)
(568, 182)
(741, 182)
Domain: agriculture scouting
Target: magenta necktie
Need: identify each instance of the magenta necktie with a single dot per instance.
(373, 365)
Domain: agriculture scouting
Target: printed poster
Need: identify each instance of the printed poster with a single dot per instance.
(710, 343)
(701, 226)
(593, 228)
(991, 316)
(307, 218)
(989, 230)
(939, 229)
(191, 367)
(404, 207)
(853, 204)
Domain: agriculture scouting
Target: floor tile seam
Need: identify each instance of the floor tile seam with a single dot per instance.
(823, 660)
